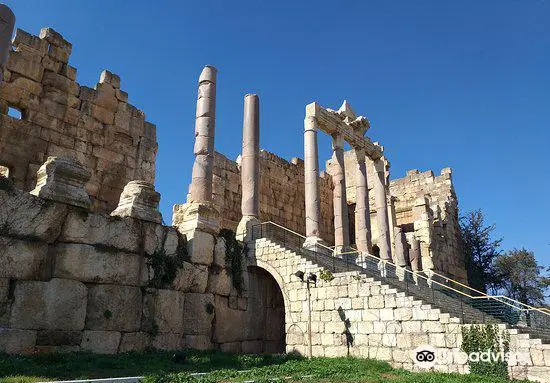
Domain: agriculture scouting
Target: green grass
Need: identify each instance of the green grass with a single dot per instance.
(174, 367)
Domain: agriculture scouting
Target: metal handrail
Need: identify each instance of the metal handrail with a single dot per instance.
(480, 301)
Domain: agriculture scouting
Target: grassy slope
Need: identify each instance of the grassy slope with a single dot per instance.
(224, 368)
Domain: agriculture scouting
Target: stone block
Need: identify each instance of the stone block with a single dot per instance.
(219, 252)
(231, 328)
(134, 341)
(198, 314)
(63, 179)
(101, 342)
(201, 248)
(114, 308)
(59, 304)
(24, 215)
(198, 342)
(98, 265)
(168, 342)
(168, 311)
(58, 338)
(139, 200)
(17, 341)
(22, 259)
(191, 278)
(219, 282)
(94, 228)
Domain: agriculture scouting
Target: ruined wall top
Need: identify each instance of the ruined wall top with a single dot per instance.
(59, 117)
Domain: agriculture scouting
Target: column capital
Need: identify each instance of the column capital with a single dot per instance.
(337, 142)
(360, 154)
(379, 165)
(310, 124)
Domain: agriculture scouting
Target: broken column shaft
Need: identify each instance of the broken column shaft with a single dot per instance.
(205, 124)
(384, 240)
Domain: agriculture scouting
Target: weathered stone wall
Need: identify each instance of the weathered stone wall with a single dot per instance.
(75, 280)
(442, 232)
(97, 127)
(356, 315)
(281, 193)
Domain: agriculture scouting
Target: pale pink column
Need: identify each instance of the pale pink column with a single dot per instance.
(205, 124)
(384, 240)
(250, 160)
(363, 238)
(341, 219)
(311, 181)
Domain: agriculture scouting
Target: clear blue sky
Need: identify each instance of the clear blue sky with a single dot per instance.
(464, 84)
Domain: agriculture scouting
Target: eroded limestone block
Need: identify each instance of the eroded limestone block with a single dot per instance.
(201, 247)
(101, 342)
(139, 200)
(191, 278)
(25, 215)
(163, 311)
(157, 238)
(63, 179)
(16, 341)
(219, 252)
(22, 259)
(198, 342)
(168, 342)
(98, 265)
(198, 314)
(231, 328)
(219, 282)
(190, 217)
(59, 304)
(115, 308)
(58, 338)
(134, 341)
(96, 228)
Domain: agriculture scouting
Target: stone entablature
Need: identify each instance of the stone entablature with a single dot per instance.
(60, 117)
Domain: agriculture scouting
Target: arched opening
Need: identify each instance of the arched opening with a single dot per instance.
(267, 308)
(376, 251)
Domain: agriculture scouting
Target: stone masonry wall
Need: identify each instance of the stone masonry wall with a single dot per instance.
(97, 127)
(356, 315)
(75, 280)
(444, 247)
(281, 193)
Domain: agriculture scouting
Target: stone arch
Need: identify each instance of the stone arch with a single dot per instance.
(267, 308)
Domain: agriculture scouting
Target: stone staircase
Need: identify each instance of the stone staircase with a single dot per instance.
(469, 311)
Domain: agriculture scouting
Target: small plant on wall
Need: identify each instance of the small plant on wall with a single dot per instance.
(486, 339)
(165, 267)
(234, 252)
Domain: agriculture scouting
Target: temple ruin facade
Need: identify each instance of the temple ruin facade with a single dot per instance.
(87, 263)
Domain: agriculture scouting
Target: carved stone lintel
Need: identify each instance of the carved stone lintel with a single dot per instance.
(139, 200)
(63, 179)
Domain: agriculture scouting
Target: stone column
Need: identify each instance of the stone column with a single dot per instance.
(311, 182)
(363, 238)
(416, 260)
(7, 23)
(200, 189)
(384, 240)
(341, 219)
(401, 249)
(250, 167)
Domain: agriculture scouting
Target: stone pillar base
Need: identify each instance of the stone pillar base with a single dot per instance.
(312, 243)
(192, 216)
(139, 200)
(244, 230)
(338, 250)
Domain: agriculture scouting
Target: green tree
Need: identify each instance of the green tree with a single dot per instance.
(480, 249)
(521, 277)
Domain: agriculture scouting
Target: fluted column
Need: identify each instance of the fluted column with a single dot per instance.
(340, 203)
(384, 240)
(363, 238)
(250, 167)
(205, 124)
(311, 181)
(7, 23)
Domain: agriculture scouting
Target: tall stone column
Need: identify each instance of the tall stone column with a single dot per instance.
(401, 255)
(384, 240)
(416, 260)
(250, 167)
(363, 238)
(311, 182)
(205, 124)
(341, 219)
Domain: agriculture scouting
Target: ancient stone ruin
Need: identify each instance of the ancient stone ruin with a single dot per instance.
(88, 265)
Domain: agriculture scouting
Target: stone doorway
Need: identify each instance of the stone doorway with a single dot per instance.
(266, 308)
